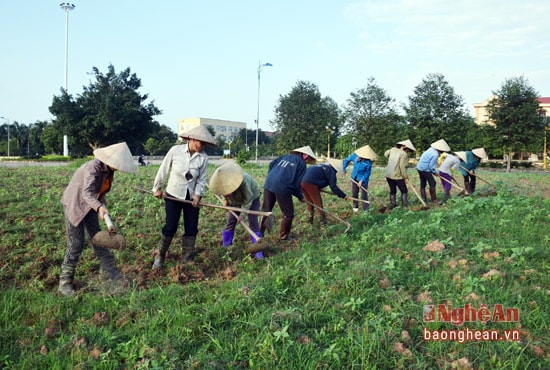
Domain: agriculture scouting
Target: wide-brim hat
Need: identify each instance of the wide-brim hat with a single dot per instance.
(461, 155)
(480, 152)
(441, 145)
(117, 156)
(226, 179)
(366, 152)
(199, 133)
(408, 144)
(306, 150)
(337, 164)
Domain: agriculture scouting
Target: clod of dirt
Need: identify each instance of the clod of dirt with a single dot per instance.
(434, 246)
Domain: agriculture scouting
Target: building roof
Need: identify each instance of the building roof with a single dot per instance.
(545, 100)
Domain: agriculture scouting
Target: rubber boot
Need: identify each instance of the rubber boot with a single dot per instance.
(323, 220)
(227, 237)
(467, 188)
(310, 217)
(258, 234)
(473, 185)
(404, 200)
(66, 277)
(286, 225)
(423, 194)
(188, 248)
(393, 201)
(109, 269)
(258, 255)
(446, 195)
(433, 196)
(163, 246)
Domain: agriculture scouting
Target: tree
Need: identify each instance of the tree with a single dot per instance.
(372, 118)
(160, 142)
(435, 112)
(515, 112)
(304, 117)
(109, 111)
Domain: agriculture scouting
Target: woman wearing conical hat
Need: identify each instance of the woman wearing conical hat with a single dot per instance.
(240, 190)
(396, 171)
(284, 179)
(316, 178)
(184, 169)
(470, 160)
(84, 202)
(361, 160)
(426, 168)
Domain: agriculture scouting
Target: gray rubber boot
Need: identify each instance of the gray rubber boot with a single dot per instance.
(66, 277)
(423, 195)
(163, 246)
(404, 200)
(393, 201)
(188, 248)
(109, 269)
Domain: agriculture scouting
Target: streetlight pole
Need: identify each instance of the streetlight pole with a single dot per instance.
(67, 7)
(260, 67)
(8, 121)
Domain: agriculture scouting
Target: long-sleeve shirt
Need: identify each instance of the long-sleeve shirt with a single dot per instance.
(185, 172)
(472, 162)
(85, 192)
(361, 168)
(285, 175)
(428, 160)
(323, 175)
(450, 163)
(245, 193)
(397, 164)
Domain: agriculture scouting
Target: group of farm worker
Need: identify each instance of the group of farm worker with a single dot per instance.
(182, 175)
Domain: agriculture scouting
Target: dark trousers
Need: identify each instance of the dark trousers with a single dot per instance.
(174, 210)
(426, 177)
(284, 201)
(312, 193)
(397, 184)
(252, 219)
(355, 194)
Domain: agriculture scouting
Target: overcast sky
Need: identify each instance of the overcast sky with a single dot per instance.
(200, 58)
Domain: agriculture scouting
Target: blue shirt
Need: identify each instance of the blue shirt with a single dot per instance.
(285, 175)
(428, 160)
(361, 168)
(472, 162)
(323, 175)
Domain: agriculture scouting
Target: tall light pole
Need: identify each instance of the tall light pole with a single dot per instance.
(260, 67)
(8, 121)
(67, 7)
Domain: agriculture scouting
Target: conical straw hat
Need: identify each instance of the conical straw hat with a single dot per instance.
(305, 150)
(199, 133)
(461, 155)
(408, 144)
(366, 152)
(117, 156)
(226, 179)
(441, 145)
(480, 152)
(337, 164)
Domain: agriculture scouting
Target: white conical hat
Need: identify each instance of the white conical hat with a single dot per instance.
(480, 152)
(441, 145)
(199, 133)
(461, 155)
(117, 156)
(226, 179)
(337, 164)
(366, 152)
(305, 150)
(408, 144)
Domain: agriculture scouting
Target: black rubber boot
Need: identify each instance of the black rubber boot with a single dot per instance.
(423, 195)
(433, 196)
(163, 246)
(404, 200)
(393, 201)
(188, 248)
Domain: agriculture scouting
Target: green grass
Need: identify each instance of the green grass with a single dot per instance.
(326, 301)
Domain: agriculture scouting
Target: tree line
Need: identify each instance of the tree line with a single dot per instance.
(111, 110)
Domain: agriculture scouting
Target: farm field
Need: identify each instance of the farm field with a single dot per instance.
(326, 300)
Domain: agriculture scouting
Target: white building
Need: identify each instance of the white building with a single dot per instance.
(227, 130)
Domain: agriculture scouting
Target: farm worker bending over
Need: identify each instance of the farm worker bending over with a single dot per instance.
(450, 163)
(361, 160)
(83, 201)
(283, 180)
(470, 160)
(426, 168)
(316, 178)
(396, 171)
(184, 166)
(242, 191)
